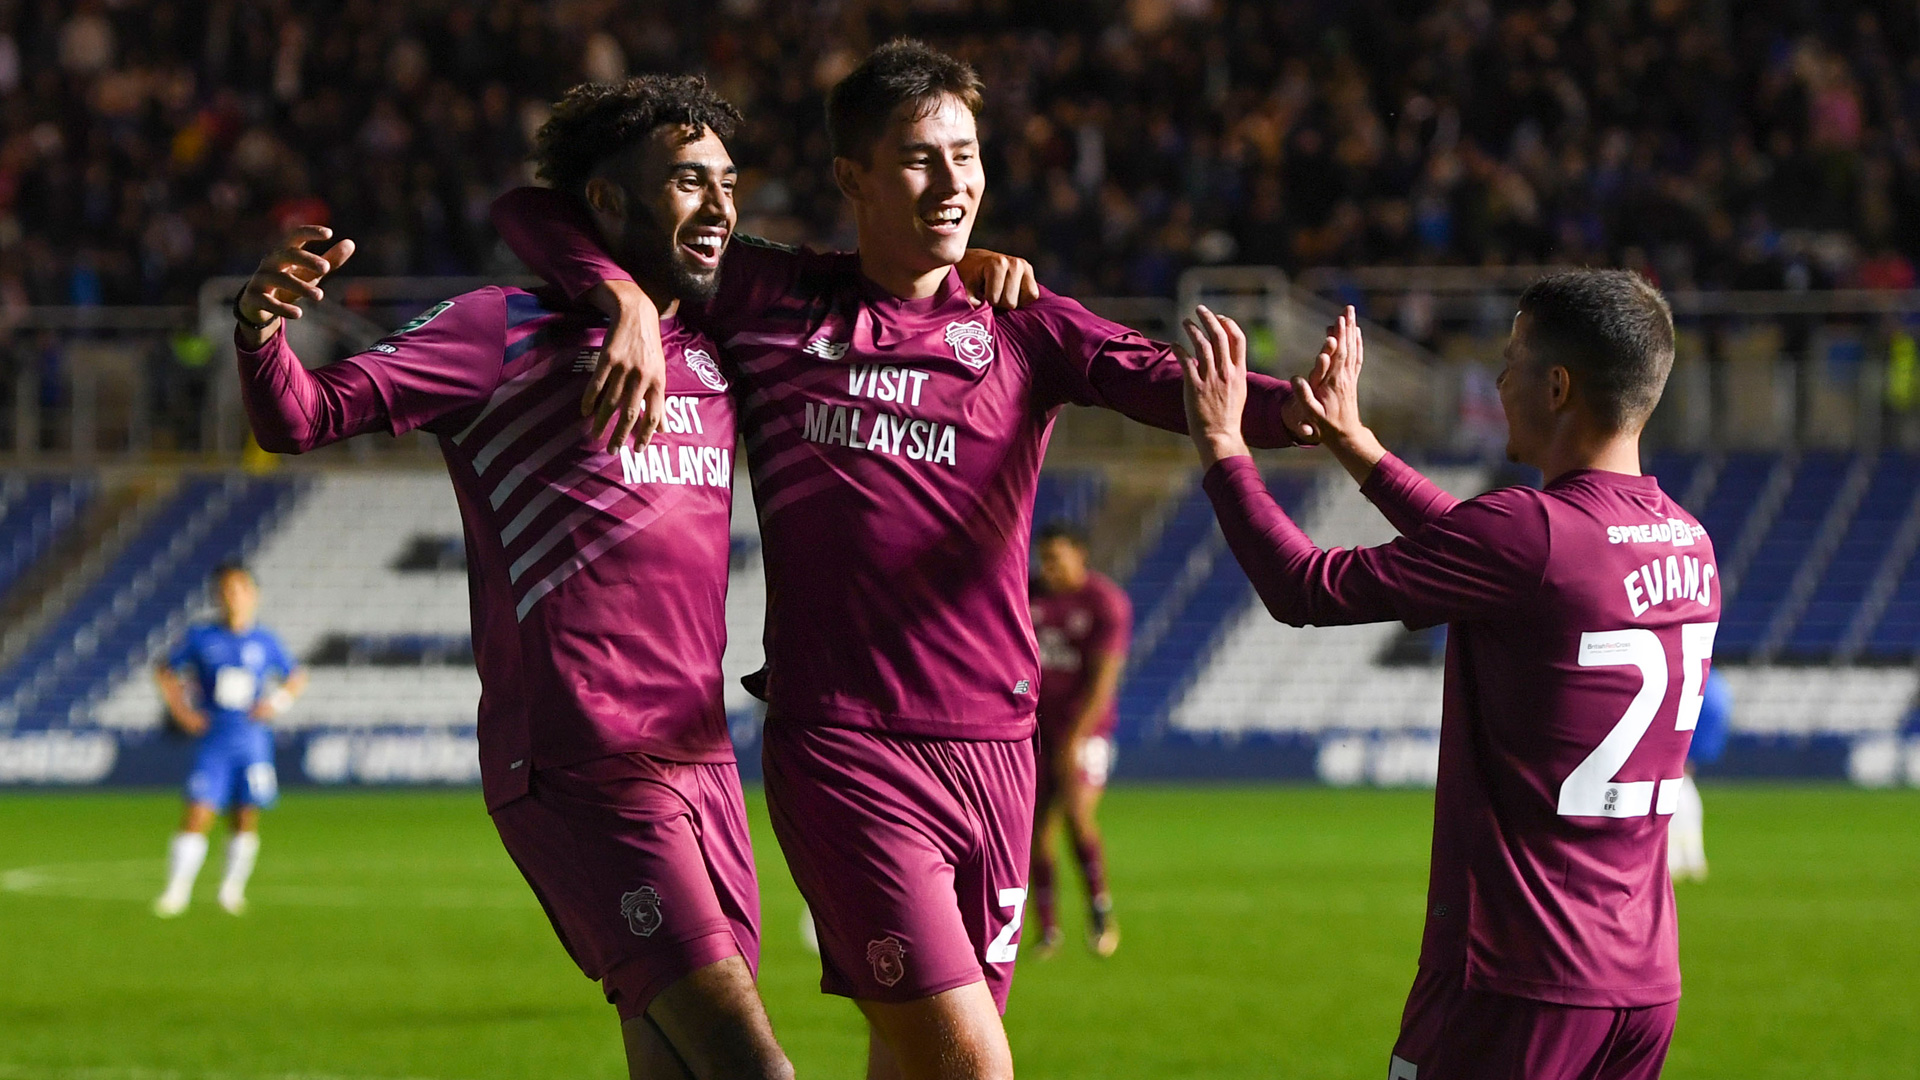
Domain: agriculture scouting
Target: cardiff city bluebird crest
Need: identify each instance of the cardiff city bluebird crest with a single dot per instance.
(703, 366)
(888, 958)
(972, 343)
(642, 909)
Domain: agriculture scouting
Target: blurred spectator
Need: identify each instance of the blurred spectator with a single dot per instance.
(149, 144)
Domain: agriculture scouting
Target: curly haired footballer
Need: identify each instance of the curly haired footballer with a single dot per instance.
(596, 121)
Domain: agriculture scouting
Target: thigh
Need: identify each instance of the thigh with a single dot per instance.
(955, 1035)
(726, 842)
(713, 1020)
(873, 857)
(614, 857)
(211, 781)
(255, 779)
(996, 780)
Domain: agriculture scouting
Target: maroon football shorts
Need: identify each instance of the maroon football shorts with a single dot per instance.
(1449, 1032)
(644, 866)
(911, 853)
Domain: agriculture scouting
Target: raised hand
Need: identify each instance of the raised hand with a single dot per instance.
(288, 276)
(1331, 394)
(1216, 389)
(1001, 280)
(628, 387)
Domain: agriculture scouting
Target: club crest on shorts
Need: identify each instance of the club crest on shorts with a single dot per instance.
(642, 909)
(889, 960)
(703, 366)
(971, 342)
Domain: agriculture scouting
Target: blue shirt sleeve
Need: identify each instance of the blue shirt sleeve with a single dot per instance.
(1716, 713)
(183, 655)
(277, 658)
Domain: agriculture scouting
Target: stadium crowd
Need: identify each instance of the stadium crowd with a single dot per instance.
(151, 143)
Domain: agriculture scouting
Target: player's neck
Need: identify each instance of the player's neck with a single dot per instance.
(237, 626)
(1615, 453)
(663, 298)
(905, 279)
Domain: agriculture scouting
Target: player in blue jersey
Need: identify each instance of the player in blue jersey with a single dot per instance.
(1686, 834)
(223, 683)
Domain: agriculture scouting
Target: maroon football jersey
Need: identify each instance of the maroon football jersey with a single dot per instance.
(598, 581)
(1075, 627)
(1581, 623)
(895, 446)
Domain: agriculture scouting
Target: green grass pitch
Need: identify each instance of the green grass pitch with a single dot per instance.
(1269, 932)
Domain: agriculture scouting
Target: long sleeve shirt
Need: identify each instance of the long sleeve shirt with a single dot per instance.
(1581, 622)
(895, 447)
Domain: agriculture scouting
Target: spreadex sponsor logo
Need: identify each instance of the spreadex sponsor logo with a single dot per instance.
(57, 757)
(1671, 531)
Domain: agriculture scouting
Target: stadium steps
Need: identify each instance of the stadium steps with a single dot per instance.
(1764, 569)
(112, 517)
(121, 619)
(34, 513)
(1267, 676)
(1814, 562)
(1860, 640)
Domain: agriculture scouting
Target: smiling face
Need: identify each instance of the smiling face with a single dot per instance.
(668, 208)
(916, 196)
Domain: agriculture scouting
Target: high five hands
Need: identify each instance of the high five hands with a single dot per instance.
(1325, 405)
(1331, 395)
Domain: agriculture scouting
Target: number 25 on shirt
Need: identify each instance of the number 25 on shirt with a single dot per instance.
(1591, 790)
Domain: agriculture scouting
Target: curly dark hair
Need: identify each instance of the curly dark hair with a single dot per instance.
(595, 121)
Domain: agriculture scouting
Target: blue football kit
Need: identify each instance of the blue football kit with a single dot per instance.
(231, 673)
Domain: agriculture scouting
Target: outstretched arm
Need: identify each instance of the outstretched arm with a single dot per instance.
(1485, 557)
(293, 410)
(1094, 361)
(1331, 395)
(557, 240)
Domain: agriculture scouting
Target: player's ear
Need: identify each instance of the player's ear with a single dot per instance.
(1559, 387)
(606, 197)
(846, 175)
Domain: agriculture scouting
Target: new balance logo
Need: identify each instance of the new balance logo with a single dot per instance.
(586, 360)
(827, 349)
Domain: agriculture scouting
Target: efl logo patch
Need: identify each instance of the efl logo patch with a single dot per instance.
(706, 369)
(971, 342)
(423, 318)
(827, 349)
(642, 909)
(889, 960)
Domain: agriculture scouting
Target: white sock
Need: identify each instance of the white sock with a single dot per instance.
(242, 849)
(184, 856)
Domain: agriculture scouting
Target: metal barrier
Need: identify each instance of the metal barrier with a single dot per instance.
(1762, 369)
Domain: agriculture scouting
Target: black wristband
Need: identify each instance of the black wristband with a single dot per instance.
(241, 317)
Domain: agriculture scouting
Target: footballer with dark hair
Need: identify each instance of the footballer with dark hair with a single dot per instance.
(1581, 622)
(1083, 622)
(597, 568)
(895, 431)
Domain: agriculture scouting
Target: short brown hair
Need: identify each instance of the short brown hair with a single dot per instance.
(901, 71)
(1612, 330)
(596, 121)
